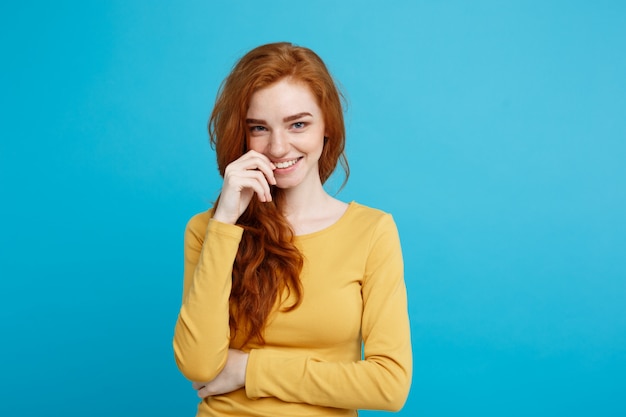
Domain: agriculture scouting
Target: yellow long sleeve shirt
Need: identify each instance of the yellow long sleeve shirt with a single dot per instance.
(346, 347)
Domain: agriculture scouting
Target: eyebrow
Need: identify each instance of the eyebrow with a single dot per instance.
(285, 120)
(296, 116)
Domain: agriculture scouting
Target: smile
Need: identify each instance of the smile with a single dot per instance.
(286, 164)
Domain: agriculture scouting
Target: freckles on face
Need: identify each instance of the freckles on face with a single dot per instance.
(282, 116)
(285, 123)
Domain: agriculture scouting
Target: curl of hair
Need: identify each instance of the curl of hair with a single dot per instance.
(267, 267)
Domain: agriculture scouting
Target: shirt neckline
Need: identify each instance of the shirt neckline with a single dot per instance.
(351, 206)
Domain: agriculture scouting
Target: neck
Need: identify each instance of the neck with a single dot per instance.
(303, 201)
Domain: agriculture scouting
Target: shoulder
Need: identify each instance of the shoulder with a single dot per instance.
(369, 216)
(367, 223)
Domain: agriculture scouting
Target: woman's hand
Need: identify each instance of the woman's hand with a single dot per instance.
(232, 377)
(251, 174)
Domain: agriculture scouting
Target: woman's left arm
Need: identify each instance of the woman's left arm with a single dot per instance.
(383, 378)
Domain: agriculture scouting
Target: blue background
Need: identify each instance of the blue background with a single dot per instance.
(494, 131)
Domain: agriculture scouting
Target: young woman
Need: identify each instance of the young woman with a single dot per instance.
(294, 302)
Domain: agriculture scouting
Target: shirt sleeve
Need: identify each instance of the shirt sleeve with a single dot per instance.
(381, 380)
(202, 333)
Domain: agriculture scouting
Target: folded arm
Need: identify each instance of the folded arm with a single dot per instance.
(381, 380)
(202, 334)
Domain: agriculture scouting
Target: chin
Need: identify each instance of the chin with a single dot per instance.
(287, 184)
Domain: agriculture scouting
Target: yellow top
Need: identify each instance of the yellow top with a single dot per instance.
(312, 363)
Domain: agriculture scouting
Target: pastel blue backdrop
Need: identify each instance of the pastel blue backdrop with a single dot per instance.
(494, 131)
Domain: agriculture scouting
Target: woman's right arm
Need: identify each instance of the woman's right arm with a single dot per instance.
(202, 334)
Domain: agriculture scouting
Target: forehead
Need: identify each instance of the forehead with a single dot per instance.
(283, 98)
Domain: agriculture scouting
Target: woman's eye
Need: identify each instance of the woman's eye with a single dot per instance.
(299, 125)
(257, 128)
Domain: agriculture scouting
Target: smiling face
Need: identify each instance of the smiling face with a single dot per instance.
(286, 124)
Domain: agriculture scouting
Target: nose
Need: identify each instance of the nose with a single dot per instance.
(278, 144)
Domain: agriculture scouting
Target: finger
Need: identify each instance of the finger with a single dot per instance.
(257, 161)
(198, 385)
(264, 192)
(204, 392)
(268, 171)
(254, 180)
(257, 169)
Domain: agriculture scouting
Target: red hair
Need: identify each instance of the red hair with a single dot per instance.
(268, 264)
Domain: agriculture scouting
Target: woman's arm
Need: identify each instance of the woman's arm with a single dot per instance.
(383, 378)
(202, 334)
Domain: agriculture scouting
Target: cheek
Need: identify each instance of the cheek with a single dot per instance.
(256, 144)
(321, 144)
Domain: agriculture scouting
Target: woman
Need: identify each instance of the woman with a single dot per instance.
(294, 302)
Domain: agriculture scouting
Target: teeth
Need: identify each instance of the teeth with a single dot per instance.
(286, 164)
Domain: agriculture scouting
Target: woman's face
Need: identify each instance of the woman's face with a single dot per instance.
(286, 124)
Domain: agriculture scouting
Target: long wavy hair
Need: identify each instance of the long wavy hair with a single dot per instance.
(267, 267)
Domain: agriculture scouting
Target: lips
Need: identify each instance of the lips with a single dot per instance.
(286, 164)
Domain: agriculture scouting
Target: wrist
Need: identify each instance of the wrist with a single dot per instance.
(220, 217)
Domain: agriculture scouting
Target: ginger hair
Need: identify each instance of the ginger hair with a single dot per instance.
(267, 266)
